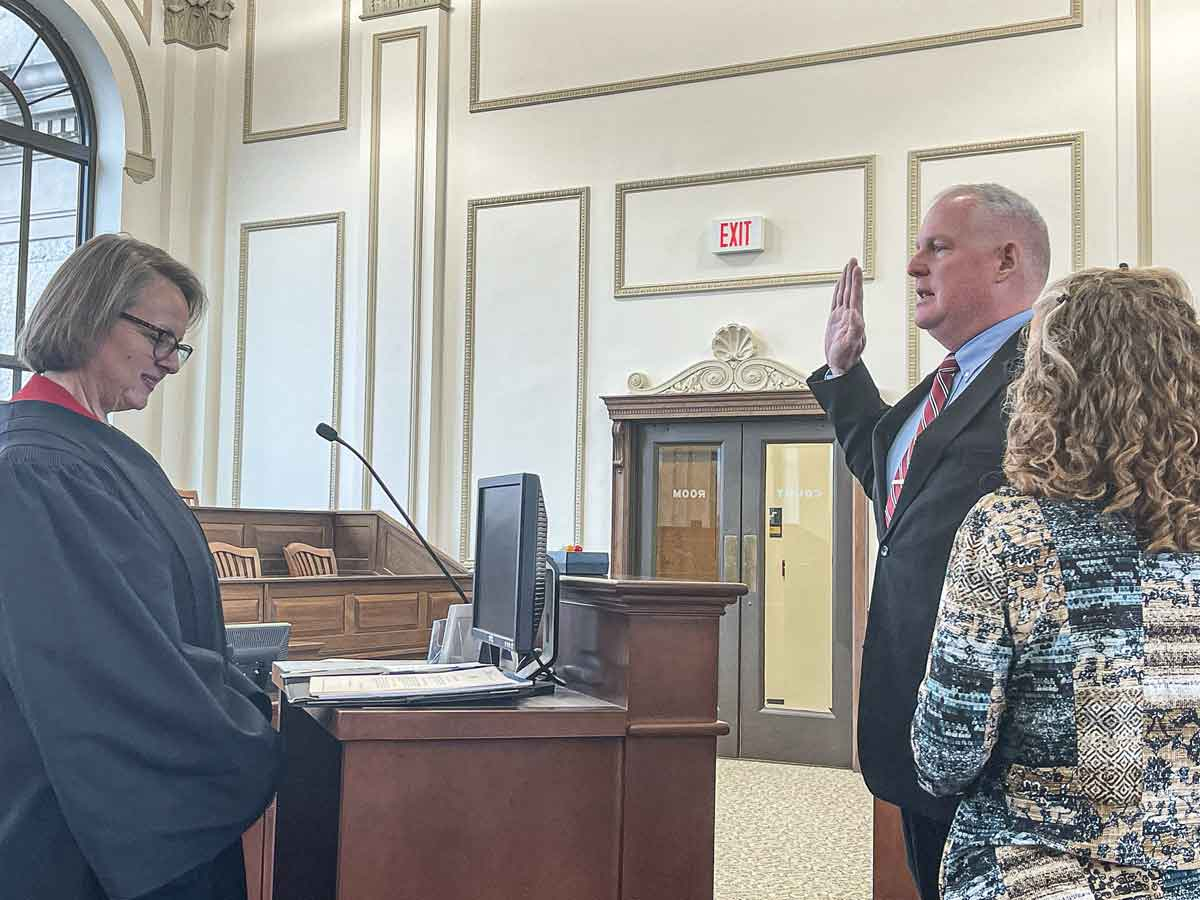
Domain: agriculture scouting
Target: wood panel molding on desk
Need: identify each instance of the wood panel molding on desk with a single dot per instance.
(351, 616)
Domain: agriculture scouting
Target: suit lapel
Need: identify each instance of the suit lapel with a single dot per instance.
(881, 442)
(954, 418)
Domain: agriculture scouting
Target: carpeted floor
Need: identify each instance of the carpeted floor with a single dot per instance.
(791, 833)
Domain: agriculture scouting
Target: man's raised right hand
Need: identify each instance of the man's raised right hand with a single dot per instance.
(846, 332)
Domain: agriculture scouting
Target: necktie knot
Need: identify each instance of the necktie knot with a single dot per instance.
(949, 364)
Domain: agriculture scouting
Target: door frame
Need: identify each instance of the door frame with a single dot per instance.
(629, 412)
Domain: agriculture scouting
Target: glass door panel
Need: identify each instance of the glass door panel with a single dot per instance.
(687, 517)
(798, 577)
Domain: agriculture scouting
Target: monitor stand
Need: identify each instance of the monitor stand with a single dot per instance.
(490, 655)
(544, 671)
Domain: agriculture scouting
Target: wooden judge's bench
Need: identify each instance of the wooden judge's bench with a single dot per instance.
(383, 602)
(602, 791)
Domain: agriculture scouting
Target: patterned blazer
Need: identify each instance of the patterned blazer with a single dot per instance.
(1062, 695)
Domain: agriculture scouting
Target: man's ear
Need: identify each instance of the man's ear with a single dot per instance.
(1009, 259)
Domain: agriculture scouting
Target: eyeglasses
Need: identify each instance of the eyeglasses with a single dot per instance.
(165, 343)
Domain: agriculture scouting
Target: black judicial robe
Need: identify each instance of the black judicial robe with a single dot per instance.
(132, 752)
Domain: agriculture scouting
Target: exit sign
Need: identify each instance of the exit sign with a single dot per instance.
(737, 235)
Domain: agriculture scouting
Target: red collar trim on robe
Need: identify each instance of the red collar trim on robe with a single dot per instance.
(42, 388)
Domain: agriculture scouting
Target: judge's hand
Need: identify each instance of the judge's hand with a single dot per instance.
(845, 332)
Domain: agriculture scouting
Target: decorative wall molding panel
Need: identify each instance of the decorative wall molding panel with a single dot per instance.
(1052, 15)
(377, 9)
(735, 368)
(198, 24)
(388, 188)
(144, 15)
(139, 165)
(665, 233)
(521, 354)
(291, 319)
(1145, 156)
(251, 133)
(1022, 150)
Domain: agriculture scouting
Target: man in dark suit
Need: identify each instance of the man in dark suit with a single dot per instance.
(981, 260)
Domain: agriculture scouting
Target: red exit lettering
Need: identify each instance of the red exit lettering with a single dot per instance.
(735, 234)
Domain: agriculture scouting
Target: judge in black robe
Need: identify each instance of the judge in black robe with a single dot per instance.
(133, 753)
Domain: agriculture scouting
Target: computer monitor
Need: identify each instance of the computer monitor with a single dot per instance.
(510, 562)
(255, 647)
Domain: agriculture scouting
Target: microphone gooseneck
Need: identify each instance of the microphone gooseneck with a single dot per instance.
(330, 434)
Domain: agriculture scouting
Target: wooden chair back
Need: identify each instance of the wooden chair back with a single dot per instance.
(236, 562)
(304, 561)
(189, 497)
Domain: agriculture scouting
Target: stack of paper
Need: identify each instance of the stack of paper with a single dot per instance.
(398, 683)
(298, 669)
(409, 684)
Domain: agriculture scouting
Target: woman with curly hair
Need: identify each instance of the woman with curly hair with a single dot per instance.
(1062, 696)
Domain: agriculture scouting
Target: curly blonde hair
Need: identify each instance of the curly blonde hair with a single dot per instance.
(1108, 403)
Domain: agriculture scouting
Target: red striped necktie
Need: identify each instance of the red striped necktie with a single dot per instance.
(943, 381)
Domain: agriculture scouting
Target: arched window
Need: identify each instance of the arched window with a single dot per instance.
(47, 168)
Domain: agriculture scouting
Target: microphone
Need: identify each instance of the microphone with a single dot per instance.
(329, 433)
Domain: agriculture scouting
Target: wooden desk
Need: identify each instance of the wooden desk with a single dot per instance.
(606, 790)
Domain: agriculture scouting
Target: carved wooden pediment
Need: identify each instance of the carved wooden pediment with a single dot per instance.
(736, 367)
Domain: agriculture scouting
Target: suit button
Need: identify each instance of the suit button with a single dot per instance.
(883, 550)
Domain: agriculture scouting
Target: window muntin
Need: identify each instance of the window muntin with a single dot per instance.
(47, 166)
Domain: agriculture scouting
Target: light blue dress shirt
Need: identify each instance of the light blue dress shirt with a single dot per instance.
(972, 357)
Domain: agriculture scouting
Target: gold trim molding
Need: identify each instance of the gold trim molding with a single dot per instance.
(377, 9)
(1073, 139)
(249, 136)
(248, 228)
(144, 16)
(583, 195)
(1074, 19)
(377, 45)
(1145, 159)
(139, 166)
(866, 163)
(735, 368)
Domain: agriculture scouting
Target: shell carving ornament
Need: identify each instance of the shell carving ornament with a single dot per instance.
(734, 343)
(736, 368)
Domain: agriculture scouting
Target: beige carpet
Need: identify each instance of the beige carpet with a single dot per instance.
(791, 833)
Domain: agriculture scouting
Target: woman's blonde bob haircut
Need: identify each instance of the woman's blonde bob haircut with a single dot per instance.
(100, 280)
(1108, 404)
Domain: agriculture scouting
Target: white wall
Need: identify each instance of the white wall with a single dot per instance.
(887, 106)
(412, 156)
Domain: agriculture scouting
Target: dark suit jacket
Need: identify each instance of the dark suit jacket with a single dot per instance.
(955, 462)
